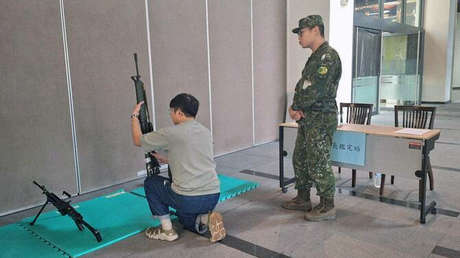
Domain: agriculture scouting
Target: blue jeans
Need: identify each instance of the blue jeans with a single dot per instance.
(160, 196)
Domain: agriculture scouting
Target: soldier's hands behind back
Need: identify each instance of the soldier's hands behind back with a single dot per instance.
(296, 115)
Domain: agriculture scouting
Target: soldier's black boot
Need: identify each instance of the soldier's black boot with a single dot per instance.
(325, 210)
(301, 202)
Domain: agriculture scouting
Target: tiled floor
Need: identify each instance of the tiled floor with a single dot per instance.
(364, 227)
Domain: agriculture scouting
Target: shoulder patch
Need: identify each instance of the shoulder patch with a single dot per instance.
(322, 70)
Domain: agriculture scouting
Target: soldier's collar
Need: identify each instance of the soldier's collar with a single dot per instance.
(320, 49)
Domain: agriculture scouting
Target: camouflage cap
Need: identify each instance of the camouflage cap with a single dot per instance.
(309, 22)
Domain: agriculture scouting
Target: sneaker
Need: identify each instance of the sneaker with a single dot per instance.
(161, 234)
(201, 227)
(216, 227)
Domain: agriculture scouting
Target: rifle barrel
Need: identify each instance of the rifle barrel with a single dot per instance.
(39, 186)
(137, 67)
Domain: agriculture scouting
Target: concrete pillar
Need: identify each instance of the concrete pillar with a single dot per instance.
(439, 23)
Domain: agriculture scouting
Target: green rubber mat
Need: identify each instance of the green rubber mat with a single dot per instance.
(229, 187)
(116, 216)
(16, 242)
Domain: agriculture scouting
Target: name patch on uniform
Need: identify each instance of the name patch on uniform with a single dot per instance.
(322, 70)
(306, 84)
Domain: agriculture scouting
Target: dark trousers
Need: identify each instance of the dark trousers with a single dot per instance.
(160, 196)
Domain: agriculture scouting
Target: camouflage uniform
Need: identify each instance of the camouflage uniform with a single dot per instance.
(315, 94)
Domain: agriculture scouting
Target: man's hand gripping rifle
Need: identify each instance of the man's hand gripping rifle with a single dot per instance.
(65, 209)
(151, 163)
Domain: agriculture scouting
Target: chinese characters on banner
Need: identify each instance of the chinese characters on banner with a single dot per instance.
(349, 148)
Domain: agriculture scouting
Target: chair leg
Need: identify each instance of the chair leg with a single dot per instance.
(382, 183)
(340, 170)
(392, 180)
(371, 174)
(353, 177)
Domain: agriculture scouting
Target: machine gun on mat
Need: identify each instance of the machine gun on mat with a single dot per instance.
(65, 209)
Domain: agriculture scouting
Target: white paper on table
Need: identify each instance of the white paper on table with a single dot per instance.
(413, 131)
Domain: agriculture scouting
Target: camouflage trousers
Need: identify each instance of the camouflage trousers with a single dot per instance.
(312, 152)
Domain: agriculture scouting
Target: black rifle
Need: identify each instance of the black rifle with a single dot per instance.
(151, 163)
(65, 209)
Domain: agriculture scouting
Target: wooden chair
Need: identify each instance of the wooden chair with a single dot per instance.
(414, 117)
(357, 113)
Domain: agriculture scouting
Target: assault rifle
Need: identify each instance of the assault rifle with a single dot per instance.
(65, 209)
(151, 163)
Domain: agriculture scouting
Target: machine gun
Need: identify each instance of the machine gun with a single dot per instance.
(151, 163)
(65, 209)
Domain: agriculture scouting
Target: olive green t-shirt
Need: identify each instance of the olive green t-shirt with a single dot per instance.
(190, 157)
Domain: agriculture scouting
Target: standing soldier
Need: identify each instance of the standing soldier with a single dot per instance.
(315, 110)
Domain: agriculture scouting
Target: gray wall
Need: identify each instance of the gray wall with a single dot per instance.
(233, 60)
(179, 55)
(102, 37)
(269, 67)
(230, 46)
(36, 139)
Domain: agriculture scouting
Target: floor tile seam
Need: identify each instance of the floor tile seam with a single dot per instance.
(453, 252)
(232, 238)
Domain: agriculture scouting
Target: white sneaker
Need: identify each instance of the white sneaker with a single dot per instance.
(161, 234)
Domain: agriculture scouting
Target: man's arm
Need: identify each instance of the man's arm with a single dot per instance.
(135, 125)
(325, 72)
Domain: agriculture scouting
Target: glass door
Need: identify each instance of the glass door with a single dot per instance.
(366, 67)
(400, 72)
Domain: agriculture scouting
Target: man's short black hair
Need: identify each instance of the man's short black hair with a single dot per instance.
(186, 103)
(320, 28)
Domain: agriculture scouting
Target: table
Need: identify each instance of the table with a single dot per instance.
(385, 152)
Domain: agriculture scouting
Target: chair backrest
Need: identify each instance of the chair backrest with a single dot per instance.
(415, 116)
(357, 113)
